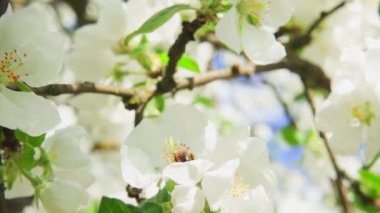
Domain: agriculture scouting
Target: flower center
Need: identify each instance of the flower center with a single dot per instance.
(177, 152)
(10, 62)
(253, 10)
(362, 114)
(239, 187)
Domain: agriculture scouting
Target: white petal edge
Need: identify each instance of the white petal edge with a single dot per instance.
(27, 111)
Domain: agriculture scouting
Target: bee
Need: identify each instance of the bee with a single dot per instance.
(181, 154)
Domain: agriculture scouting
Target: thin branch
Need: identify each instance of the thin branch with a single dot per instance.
(340, 174)
(306, 38)
(176, 51)
(282, 101)
(372, 162)
(78, 88)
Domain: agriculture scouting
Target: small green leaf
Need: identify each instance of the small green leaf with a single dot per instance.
(223, 8)
(25, 159)
(370, 183)
(157, 20)
(185, 62)
(111, 205)
(204, 101)
(151, 207)
(155, 106)
(35, 141)
(10, 173)
(170, 185)
(293, 136)
(139, 84)
(189, 63)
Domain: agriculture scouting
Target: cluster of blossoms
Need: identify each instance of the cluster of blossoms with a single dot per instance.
(83, 152)
(232, 173)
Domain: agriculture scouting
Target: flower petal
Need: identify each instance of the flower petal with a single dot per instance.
(188, 173)
(63, 197)
(136, 168)
(30, 31)
(217, 183)
(185, 124)
(257, 201)
(278, 14)
(187, 199)
(26, 111)
(227, 30)
(64, 148)
(261, 45)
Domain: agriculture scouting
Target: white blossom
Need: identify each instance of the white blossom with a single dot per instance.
(243, 28)
(30, 52)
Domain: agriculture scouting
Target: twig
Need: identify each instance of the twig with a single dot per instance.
(78, 88)
(306, 38)
(176, 51)
(372, 162)
(282, 101)
(340, 175)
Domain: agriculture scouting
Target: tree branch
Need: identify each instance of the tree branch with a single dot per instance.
(306, 38)
(340, 174)
(176, 51)
(78, 88)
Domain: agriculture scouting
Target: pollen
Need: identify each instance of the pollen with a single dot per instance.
(10, 63)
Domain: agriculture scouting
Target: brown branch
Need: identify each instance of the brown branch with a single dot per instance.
(176, 51)
(78, 88)
(310, 73)
(340, 174)
(306, 38)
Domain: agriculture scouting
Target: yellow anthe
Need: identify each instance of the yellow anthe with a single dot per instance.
(363, 113)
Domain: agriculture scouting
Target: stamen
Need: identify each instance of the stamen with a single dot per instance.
(240, 187)
(252, 10)
(9, 64)
(362, 114)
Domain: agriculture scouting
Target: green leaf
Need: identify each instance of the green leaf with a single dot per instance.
(170, 185)
(204, 101)
(151, 207)
(25, 159)
(10, 173)
(92, 208)
(162, 196)
(223, 8)
(185, 62)
(111, 205)
(157, 20)
(35, 141)
(155, 106)
(370, 183)
(139, 53)
(293, 136)
(189, 63)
